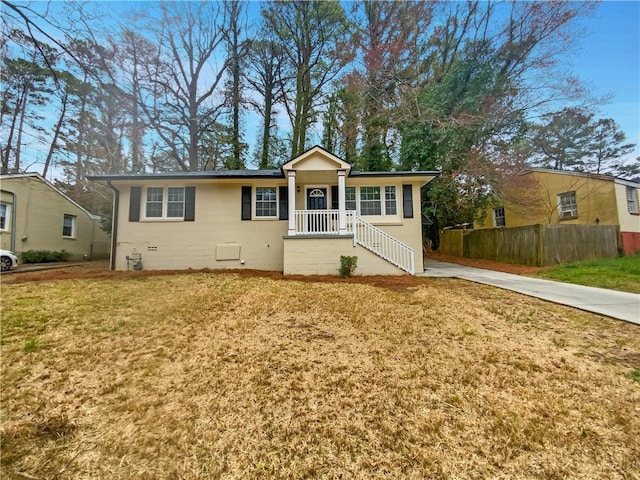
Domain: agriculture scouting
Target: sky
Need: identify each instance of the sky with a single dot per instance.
(609, 59)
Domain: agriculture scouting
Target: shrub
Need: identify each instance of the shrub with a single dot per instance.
(43, 256)
(348, 265)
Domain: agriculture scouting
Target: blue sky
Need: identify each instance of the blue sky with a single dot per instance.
(609, 59)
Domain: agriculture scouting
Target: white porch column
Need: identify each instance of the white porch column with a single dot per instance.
(291, 177)
(342, 203)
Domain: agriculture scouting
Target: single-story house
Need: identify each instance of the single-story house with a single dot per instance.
(35, 215)
(545, 196)
(298, 219)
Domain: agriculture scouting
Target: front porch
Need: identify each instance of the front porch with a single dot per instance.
(325, 229)
(320, 227)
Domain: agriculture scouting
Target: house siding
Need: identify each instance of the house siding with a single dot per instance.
(536, 201)
(39, 210)
(176, 244)
(629, 222)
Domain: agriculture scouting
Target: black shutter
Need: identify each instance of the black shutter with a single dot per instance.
(334, 198)
(189, 204)
(134, 204)
(407, 201)
(246, 203)
(283, 201)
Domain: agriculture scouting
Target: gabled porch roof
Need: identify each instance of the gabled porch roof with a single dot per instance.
(316, 158)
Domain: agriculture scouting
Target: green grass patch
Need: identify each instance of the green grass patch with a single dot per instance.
(621, 274)
(634, 375)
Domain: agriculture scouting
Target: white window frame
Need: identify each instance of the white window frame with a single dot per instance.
(387, 201)
(164, 215)
(567, 210)
(255, 202)
(496, 217)
(7, 216)
(354, 189)
(632, 200)
(73, 226)
(379, 200)
(382, 201)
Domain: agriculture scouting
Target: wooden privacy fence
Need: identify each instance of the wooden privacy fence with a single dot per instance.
(538, 245)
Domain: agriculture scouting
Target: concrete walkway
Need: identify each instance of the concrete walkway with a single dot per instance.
(620, 305)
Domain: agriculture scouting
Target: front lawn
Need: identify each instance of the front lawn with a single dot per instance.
(613, 273)
(208, 375)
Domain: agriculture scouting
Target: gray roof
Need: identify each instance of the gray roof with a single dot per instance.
(222, 174)
(191, 175)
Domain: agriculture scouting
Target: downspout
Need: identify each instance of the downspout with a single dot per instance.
(114, 224)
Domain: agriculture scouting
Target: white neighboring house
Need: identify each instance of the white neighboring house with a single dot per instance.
(299, 219)
(35, 215)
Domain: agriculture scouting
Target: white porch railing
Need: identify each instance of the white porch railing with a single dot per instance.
(327, 222)
(381, 243)
(317, 222)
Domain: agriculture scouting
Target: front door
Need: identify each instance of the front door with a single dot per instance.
(317, 200)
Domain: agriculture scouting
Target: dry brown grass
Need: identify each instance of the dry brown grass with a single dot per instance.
(209, 375)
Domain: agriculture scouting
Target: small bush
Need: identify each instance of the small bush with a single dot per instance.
(348, 265)
(43, 256)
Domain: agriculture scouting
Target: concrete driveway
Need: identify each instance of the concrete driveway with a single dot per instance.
(620, 305)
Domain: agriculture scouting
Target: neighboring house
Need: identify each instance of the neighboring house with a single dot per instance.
(298, 219)
(35, 215)
(561, 197)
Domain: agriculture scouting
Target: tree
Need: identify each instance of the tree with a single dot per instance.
(185, 81)
(606, 146)
(264, 74)
(562, 141)
(313, 37)
(26, 90)
(388, 40)
(237, 48)
(485, 68)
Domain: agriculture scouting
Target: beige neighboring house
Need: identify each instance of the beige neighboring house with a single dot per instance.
(557, 197)
(298, 219)
(35, 215)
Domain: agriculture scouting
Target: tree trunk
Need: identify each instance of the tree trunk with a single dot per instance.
(266, 132)
(23, 114)
(56, 133)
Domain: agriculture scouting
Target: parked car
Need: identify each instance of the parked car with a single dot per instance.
(8, 260)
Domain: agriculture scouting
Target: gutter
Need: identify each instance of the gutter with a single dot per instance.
(114, 224)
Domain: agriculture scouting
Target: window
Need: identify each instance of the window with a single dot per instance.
(159, 205)
(370, 201)
(266, 202)
(390, 203)
(154, 202)
(69, 226)
(175, 202)
(4, 216)
(567, 205)
(350, 198)
(632, 200)
(498, 217)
